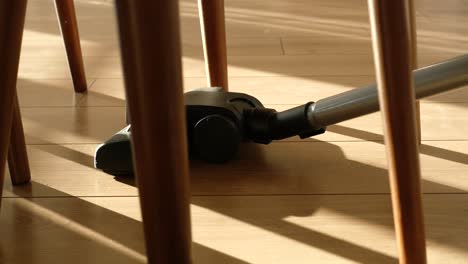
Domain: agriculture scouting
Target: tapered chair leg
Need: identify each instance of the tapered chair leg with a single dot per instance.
(214, 41)
(12, 14)
(18, 163)
(150, 45)
(393, 62)
(69, 27)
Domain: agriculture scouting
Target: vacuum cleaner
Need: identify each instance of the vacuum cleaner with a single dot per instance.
(218, 122)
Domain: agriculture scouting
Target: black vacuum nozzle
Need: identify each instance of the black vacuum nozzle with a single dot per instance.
(115, 155)
(217, 122)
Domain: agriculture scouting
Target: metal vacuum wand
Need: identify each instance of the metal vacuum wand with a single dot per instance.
(430, 80)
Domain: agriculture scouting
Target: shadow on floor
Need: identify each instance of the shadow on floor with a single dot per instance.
(262, 176)
(51, 230)
(106, 226)
(423, 149)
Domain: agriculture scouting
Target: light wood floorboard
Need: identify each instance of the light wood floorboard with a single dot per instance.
(280, 168)
(319, 200)
(95, 124)
(230, 229)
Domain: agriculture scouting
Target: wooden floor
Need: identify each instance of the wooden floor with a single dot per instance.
(321, 200)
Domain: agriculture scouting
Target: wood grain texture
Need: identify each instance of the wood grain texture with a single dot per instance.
(71, 37)
(12, 16)
(213, 30)
(18, 162)
(394, 63)
(150, 30)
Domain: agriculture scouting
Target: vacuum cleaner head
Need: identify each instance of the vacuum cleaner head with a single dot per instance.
(217, 122)
(115, 155)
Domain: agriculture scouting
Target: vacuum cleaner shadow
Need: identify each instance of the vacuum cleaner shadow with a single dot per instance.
(309, 171)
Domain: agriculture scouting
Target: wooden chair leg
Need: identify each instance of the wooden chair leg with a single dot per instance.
(69, 27)
(150, 44)
(392, 54)
(17, 155)
(12, 14)
(214, 41)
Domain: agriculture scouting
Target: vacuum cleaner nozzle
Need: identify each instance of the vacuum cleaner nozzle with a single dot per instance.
(217, 122)
(115, 155)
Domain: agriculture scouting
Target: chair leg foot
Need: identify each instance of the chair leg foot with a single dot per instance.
(69, 27)
(18, 163)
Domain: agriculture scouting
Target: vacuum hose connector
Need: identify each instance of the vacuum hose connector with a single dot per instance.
(264, 125)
